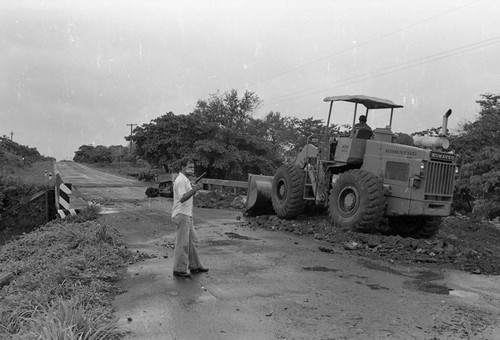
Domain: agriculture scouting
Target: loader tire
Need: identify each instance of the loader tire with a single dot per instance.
(287, 192)
(430, 227)
(415, 226)
(405, 225)
(357, 201)
(152, 192)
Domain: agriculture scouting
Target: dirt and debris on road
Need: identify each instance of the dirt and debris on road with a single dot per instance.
(462, 243)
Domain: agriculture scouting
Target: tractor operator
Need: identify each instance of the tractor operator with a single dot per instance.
(362, 123)
(362, 130)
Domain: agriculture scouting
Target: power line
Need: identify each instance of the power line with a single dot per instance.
(361, 44)
(387, 70)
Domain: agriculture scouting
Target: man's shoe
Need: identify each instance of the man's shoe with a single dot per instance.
(198, 270)
(181, 274)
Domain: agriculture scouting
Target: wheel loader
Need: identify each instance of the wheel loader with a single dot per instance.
(364, 178)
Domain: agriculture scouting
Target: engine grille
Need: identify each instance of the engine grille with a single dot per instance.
(440, 181)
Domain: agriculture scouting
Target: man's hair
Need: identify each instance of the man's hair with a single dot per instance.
(362, 118)
(185, 161)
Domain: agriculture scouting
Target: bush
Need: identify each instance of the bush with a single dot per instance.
(65, 278)
(486, 209)
(88, 214)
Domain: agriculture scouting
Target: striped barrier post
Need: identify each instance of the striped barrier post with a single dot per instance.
(63, 190)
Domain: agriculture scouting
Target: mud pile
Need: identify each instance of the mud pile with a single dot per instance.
(461, 243)
(219, 200)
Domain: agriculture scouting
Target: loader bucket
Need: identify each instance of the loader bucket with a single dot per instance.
(259, 200)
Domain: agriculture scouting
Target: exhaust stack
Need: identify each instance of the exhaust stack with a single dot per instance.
(444, 128)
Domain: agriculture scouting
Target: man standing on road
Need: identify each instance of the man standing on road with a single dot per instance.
(185, 253)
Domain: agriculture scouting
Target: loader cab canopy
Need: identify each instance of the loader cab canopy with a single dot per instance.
(370, 103)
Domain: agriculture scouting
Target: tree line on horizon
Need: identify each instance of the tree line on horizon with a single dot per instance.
(225, 141)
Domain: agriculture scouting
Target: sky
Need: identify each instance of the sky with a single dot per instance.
(76, 73)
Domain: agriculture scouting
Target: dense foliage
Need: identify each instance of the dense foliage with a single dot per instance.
(15, 208)
(223, 138)
(16, 182)
(478, 146)
(16, 155)
(102, 154)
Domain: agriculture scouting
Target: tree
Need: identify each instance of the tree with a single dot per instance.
(215, 135)
(169, 138)
(84, 154)
(310, 127)
(478, 146)
(119, 153)
(277, 130)
(403, 138)
(94, 154)
(237, 144)
(227, 110)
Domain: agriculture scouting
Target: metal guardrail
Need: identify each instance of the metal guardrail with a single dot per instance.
(236, 186)
(31, 212)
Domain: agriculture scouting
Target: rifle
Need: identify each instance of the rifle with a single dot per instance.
(199, 178)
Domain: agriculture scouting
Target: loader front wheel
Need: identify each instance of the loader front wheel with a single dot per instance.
(287, 192)
(357, 201)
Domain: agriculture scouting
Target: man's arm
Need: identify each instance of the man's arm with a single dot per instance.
(191, 192)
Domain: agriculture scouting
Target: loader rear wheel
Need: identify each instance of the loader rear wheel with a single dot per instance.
(287, 191)
(357, 201)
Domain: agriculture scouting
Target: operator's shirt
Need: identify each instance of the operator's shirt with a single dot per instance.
(181, 186)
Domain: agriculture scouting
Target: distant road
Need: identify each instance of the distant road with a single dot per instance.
(97, 186)
(83, 176)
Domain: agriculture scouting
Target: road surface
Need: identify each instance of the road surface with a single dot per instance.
(274, 285)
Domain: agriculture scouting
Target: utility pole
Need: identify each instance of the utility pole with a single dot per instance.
(11, 135)
(131, 129)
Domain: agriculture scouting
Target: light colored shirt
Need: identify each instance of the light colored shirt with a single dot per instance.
(181, 186)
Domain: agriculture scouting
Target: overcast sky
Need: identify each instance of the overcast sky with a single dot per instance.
(76, 73)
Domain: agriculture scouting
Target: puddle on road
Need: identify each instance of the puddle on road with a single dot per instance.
(105, 211)
(422, 282)
(220, 242)
(232, 237)
(427, 275)
(374, 286)
(464, 294)
(320, 269)
(239, 237)
(379, 267)
(427, 287)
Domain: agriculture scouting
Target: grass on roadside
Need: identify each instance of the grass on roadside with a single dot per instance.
(65, 277)
(37, 173)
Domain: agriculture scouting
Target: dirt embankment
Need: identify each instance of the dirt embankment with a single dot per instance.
(462, 243)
